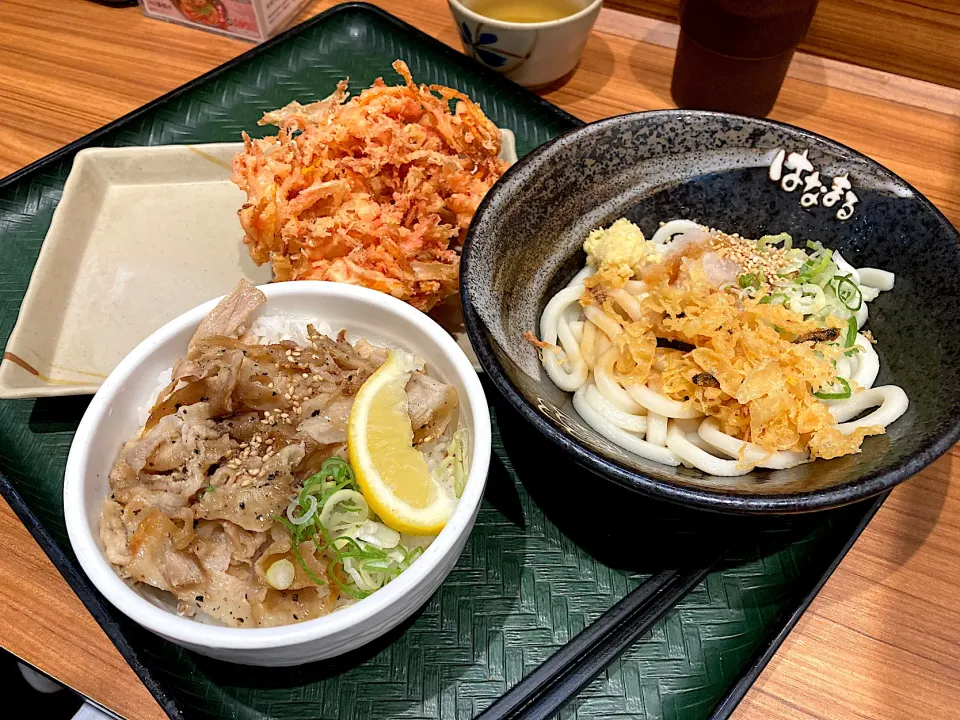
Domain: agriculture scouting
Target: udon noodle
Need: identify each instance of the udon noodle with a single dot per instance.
(705, 349)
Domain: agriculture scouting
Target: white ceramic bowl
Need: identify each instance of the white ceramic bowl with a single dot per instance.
(531, 54)
(111, 419)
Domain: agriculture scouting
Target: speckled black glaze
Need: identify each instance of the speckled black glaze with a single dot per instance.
(524, 244)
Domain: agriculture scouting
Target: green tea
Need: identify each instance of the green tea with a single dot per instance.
(525, 11)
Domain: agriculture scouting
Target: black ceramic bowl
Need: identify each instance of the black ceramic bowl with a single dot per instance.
(525, 244)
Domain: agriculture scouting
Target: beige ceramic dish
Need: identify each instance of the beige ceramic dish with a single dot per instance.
(141, 235)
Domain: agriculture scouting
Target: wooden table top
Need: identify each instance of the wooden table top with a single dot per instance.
(881, 641)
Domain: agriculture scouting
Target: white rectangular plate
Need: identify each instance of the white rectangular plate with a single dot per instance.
(141, 235)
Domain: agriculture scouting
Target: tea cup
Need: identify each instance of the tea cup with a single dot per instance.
(531, 54)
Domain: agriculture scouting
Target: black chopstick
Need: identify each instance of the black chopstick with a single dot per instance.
(543, 692)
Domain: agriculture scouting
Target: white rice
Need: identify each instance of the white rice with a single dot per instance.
(270, 329)
(143, 411)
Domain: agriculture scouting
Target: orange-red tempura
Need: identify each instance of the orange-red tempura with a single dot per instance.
(375, 191)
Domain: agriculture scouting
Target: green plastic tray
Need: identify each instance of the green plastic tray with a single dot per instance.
(548, 555)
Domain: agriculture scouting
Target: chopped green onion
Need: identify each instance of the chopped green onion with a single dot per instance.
(306, 511)
(333, 469)
(374, 565)
(303, 564)
(293, 529)
(361, 552)
(352, 591)
(355, 593)
(280, 574)
(817, 263)
(321, 531)
(776, 297)
(843, 395)
(457, 457)
(749, 280)
(299, 534)
(849, 294)
(852, 329)
(774, 239)
(296, 538)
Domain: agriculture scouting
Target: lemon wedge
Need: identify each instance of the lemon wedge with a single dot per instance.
(392, 474)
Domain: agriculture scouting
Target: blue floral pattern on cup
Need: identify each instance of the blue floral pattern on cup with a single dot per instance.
(481, 45)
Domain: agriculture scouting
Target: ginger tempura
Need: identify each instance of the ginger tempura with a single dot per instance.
(376, 191)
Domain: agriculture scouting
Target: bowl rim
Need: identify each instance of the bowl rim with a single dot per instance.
(468, 12)
(361, 614)
(702, 498)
